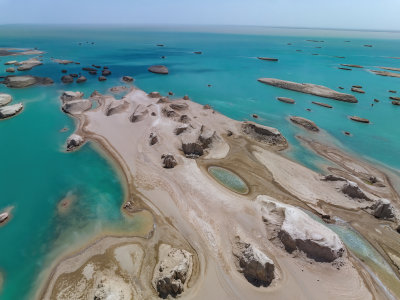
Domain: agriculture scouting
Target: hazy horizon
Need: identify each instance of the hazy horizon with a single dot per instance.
(309, 14)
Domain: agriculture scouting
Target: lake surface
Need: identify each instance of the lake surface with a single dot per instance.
(36, 174)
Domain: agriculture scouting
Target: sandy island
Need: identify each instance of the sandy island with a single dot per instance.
(209, 242)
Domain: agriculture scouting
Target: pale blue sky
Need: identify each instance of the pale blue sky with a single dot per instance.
(354, 14)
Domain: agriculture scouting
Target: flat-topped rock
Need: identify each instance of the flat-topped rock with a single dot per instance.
(265, 134)
(5, 99)
(28, 64)
(10, 110)
(25, 81)
(102, 78)
(357, 90)
(322, 104)
(11, 62)
(390, 69)
(358, 119)
(10, 70)
(303, 122)
(286, 100)
(352, 66)
(268, 58)
(255, 265)
(298, 231)
(385, 73)
(308, 88)
(158, 69)
(106, 72)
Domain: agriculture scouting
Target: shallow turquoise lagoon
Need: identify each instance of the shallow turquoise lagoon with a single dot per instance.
(36, 174)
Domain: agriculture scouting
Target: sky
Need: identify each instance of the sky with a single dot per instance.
(345, 14)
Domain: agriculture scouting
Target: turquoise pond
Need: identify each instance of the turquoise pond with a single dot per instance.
(36, 174)
(228, 179)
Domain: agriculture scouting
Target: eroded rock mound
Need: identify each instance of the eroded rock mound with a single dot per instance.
(255, 265)
(76, 106)
(5, 99)
(10, 110)
(139, 114)
(116, 107)
(265, 134)
(172, 271)
(305, 123)
(383, 209)
(169, 161)
(297, 231)
(352, 190)
(74, 142)
(25, 81)
(158, 69)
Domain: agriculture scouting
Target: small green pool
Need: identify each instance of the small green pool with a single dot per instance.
(228, 179)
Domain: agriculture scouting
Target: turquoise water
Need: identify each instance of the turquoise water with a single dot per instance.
(229, 179)
(36, 174)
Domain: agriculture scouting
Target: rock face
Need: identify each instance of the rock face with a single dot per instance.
(358, 119)
(127, 79)
(10, 110)
(169, 161)
(297, 231)
(74, 141)
(159, 69)
(383, 209)
(286, 100)
(308, 88)
(322, 104)
(5, 99)
(265, 134)
(3, 217)
(172, 271)
(352, 190)
(303, 122)
(256, 267)
(192, 149)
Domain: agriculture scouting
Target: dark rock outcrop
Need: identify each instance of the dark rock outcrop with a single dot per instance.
(81, 79)
(352, 190)
(358, 119)
(127, 78)
(286, 100)
(74, 142)
(169, 161)
(67, 79)
(322, 104)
